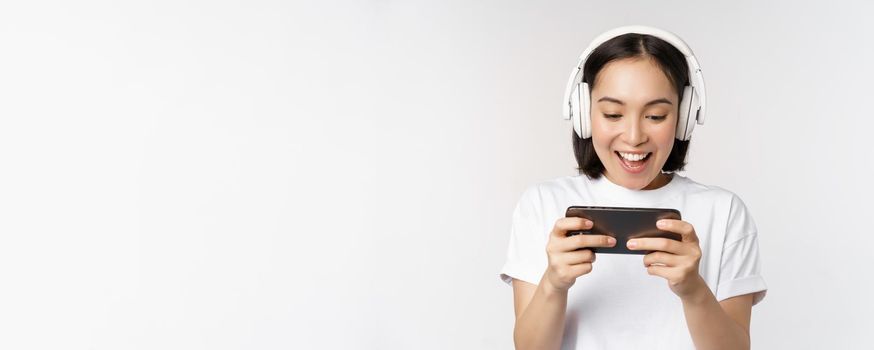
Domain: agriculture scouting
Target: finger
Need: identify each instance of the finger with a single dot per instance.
(588, 241)
(581, 269)
(578, 257)
(563, 225)
(661, 271)
(660, 258)
(656, 243)
(679, 226)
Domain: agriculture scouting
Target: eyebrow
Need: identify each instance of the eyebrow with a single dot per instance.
(656, 101)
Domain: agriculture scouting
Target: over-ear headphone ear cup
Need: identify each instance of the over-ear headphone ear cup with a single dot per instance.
(585, 110)
(575, 111)
(684, 123)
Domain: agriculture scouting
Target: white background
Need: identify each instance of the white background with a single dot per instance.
(326, 175)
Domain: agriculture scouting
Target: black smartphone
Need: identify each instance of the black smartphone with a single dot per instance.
(624, 224)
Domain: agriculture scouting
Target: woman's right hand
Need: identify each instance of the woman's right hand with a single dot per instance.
(566, 263)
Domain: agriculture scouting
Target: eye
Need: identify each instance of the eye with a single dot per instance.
(612, 116)
(657, 117)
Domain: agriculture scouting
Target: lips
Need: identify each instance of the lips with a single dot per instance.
(634, 167)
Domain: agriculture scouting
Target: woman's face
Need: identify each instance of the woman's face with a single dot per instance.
(634, 115)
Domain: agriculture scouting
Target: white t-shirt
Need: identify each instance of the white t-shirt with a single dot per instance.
(618, 305)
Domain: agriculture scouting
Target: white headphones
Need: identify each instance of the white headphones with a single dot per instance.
(577, 101)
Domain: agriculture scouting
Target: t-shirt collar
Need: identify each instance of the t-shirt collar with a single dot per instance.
(603, 187)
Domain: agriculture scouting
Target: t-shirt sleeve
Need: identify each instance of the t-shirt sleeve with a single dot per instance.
(740, 266)
(526, 253)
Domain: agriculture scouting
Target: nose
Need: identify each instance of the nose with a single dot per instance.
(634, 134)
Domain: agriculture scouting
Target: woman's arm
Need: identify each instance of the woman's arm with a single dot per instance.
(712, 325)
(718, 325)
(540, 313)
(540, 309)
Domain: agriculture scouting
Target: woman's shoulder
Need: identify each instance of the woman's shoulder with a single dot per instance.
(720, 197)
(692, 187)
(546, 193)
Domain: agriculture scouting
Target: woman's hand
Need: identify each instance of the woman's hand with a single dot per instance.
(568, 256)
(675, 261)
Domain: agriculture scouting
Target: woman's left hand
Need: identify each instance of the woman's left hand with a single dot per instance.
(675, 261)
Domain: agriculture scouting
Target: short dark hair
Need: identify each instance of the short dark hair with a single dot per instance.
(667, 57)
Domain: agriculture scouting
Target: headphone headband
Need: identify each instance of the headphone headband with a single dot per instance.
(696, 79)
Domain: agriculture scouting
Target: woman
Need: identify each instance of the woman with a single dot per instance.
(694, 293)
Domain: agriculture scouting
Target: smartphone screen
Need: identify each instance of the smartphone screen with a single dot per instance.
(624, 224)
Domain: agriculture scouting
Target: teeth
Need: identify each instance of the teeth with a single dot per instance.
(633, 157)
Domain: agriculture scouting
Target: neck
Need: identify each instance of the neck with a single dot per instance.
(660, 180)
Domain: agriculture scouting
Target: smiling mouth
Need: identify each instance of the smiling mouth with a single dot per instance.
(633, 162)
(633, 157)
